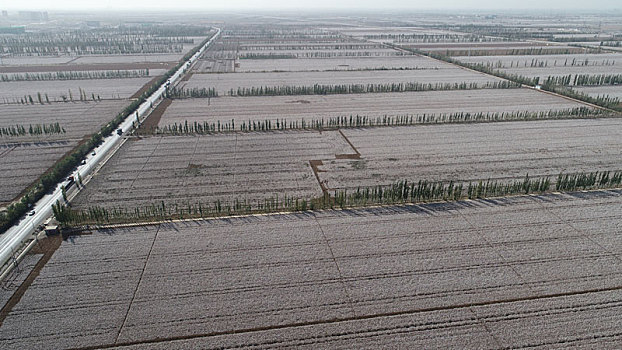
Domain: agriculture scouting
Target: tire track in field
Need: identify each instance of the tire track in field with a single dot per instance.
(145, 163)
(581, 232)
(341, 279)
(140, 278)
(8, 150)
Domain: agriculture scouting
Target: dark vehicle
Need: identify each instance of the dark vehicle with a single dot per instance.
(119, 132)
(70, 181)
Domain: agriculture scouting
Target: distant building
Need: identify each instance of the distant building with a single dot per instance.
(93, 24)
(33, 15)
(5, 13)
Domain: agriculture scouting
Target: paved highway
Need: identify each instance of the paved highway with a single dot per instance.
(16, 236)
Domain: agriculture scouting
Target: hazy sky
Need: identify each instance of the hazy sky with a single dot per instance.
(309, 4)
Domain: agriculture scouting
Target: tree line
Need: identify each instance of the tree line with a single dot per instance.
(358, 121)
(399, 192)
(79, 75)
(320, 89)
(36, 129)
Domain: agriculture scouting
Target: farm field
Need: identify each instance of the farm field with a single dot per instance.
(473, 152)
(291, 108)
(77, 118)
(128, 58)
(525, 271)
(253, 167)
(325, 53)
(34, 60)
(104, 88)
(211, 225)
(24, 158)
(205, 169)
(324, 64)
(152, 66)
(223, 83)
(22, 163)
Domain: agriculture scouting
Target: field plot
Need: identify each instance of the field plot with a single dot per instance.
(34, 60)
(372, 52)
(24, 158)
(23, 163)
(223, 83)
(363, 63)
(497, 151)
(528, 271)
(126, 59)
(290, 108)
(205, 169)
(70, 89)
(77, 118)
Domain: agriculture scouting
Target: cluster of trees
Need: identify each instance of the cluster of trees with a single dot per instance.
(179, 93)
(109, 74)
(197, 128)
(606, 101)
(573, 182)
(163, 211)
(426, 191)
(536, 63)
(319, 89)
(44, 98)
(63, 167)
(37, 129)
(597, 79)
(358, 121)
(584, 80)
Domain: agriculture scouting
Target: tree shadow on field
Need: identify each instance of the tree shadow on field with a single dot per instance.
(595, 194)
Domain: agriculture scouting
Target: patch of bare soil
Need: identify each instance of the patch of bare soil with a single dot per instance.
(145, 87)
(152, 121)
(187, 76)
